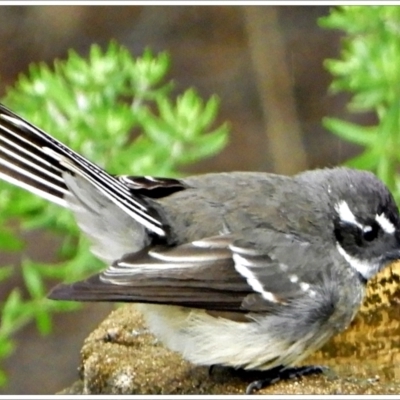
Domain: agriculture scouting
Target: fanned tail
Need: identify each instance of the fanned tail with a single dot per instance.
(35, 161)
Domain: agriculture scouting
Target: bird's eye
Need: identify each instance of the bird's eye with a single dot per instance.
(370, 232)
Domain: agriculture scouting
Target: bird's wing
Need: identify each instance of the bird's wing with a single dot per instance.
(224, 272)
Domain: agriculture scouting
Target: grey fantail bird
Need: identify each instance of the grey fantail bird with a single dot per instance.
(242, 269)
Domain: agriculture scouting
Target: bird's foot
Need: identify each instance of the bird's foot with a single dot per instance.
(280, 373)
(211, 369)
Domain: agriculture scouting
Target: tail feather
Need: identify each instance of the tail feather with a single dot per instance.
(22, 163)
(37, 162)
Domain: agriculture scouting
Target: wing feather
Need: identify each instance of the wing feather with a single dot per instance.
(217, 273)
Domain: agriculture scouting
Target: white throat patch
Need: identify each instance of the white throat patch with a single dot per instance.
(366, 269)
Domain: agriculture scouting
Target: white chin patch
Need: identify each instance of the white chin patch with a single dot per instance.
(366, 269)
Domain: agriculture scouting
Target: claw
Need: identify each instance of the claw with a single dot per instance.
(211, 369)
(280, 373)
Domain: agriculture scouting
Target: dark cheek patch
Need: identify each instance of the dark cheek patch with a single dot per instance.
(349, 236)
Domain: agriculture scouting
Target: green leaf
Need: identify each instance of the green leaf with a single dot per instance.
(11, 310)
(33, 280)
(368, 99)
(364, 136)
(161, 133)
(209, 113)
(206, 145)
(7, 346)
(52, 271)
(167, 111)
(368, 161)
(5, 272)
(43, 320)
(9, 242)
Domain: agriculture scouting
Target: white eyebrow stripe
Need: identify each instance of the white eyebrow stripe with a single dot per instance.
(345, 214)
(385, 223)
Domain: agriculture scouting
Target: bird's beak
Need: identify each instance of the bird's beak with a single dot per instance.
(393, 255)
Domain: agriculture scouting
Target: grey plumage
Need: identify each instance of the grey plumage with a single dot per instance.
(244, 269)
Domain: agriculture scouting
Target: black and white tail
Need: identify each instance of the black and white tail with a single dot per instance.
(37, 162)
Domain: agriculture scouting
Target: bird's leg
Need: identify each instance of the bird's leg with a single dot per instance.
(281, 373)
(211, 369)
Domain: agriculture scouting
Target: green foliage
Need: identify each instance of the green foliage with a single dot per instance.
(368, 69)
(119, 112)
